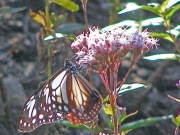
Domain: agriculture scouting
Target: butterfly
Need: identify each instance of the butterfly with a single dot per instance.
(67, 94)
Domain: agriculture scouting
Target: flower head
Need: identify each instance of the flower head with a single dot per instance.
(102, 50)
(142, 42)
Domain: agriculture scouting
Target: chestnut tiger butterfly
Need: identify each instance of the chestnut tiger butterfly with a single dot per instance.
(66, 94)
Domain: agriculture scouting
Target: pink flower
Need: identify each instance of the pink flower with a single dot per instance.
(142, 42)
(104, 50)
(101, 50)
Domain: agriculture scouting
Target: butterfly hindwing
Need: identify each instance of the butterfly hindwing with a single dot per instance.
(85, 101)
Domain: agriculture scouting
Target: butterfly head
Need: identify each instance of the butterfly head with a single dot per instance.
(69, 65)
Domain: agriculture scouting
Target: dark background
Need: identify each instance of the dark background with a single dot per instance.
(21, 72)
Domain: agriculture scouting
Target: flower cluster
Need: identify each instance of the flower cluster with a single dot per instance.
(103, 50)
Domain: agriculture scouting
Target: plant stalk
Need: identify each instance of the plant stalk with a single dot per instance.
(48, 27)
(113, 96)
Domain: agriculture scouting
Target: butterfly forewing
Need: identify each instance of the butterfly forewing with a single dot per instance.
(66, 93)
(45, 105)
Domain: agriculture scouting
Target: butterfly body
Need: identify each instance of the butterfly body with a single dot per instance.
(66, 94)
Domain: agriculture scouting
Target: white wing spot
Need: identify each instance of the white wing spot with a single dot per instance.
(34, 112)
(20, 121)
(41, 116)
(24, 123)
(59, 114)
(33, 121)
(53, 98)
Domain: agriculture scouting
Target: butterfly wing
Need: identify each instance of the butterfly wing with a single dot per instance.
(67, 93)
(84, 100)
(45, 105)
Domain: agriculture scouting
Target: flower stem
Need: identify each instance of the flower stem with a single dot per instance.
(84, 3)
(176, 131)
(104, 79)
(113, 96)
(48, 27)
(127, 73)
(114, 110)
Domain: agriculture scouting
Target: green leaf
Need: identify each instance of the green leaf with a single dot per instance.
(119, 115)
(9, 10)
(129, 115)
(143, 122)
(130, 7)
(70, 28)
(152, 21)
(127, 23)
(108, 109)
(169, 56)
(165, 36)
(67, 4)
(169, 13)
(68, 124)
(106, 119)
(154, 9)
(176, 121)
(55, 36)
(130, 87)
(40, 18)
(175, 31)
(105, 100)
(126, 88)
(53, 19)
(171, 3)
(163, 5)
